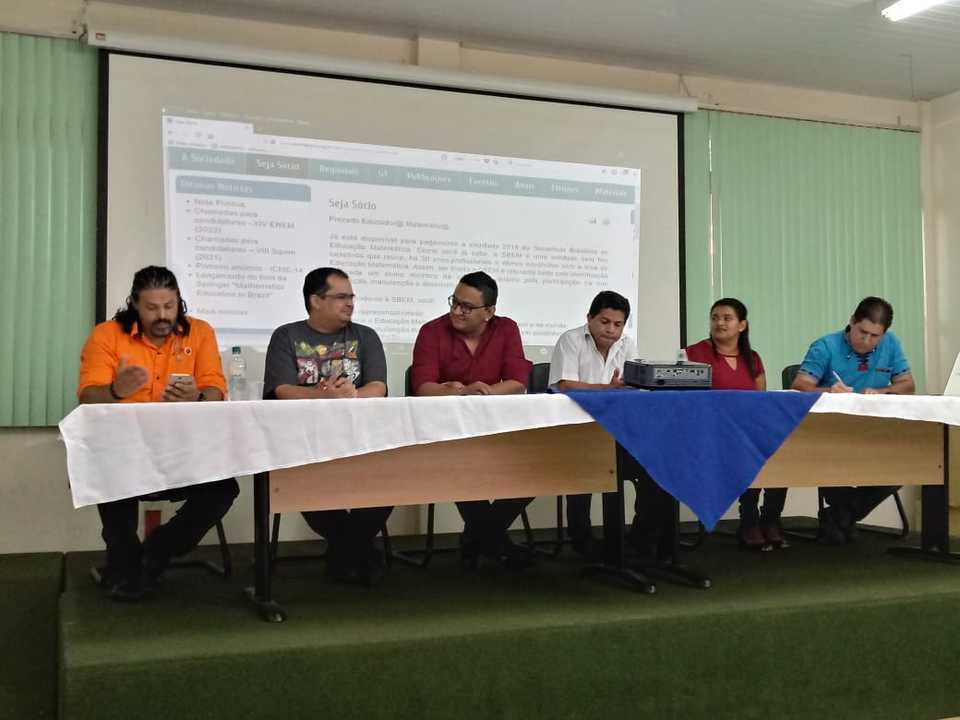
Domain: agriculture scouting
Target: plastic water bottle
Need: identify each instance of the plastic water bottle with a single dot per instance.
(681, 356)
(237, 388)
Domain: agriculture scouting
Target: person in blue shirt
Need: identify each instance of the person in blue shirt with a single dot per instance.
(864, 357)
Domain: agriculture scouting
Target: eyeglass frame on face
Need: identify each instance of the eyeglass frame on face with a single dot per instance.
(466, 308)
(339, 297)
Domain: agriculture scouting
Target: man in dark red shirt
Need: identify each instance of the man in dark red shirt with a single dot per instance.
(471, 351)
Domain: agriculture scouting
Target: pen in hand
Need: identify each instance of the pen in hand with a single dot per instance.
(840, 381)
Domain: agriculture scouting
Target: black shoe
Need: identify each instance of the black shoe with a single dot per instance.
(129, 591)
(830, 531)
(469, 552)
(515, 557)
(851, 533)
(125, 589)
(370, 567)
(340, 566)
(502, 550)
(773, 534)
(121, 587)
(751, 537)
(587, 547)
(153, 570)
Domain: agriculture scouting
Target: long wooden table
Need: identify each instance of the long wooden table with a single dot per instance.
(825, 450)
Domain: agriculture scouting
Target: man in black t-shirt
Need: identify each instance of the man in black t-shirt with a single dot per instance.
(327, 356)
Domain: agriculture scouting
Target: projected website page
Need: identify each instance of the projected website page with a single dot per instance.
(248, 213)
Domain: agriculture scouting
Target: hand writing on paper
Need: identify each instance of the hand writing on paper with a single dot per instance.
(840, 387)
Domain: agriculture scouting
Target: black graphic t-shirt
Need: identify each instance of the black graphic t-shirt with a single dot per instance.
(299, 355)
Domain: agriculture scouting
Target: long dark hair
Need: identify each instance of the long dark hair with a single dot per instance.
(743, 342)
(152, 277)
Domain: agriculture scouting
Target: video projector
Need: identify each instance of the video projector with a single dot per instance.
(667, 375)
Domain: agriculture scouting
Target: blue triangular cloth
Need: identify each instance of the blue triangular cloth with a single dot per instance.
(704, 447)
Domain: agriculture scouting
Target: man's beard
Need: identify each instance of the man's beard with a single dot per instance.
(161, 328)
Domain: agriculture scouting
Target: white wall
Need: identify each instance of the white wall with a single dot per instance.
(35, 511)
(940, 164)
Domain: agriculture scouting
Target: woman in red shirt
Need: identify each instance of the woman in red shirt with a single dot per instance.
(735, 366)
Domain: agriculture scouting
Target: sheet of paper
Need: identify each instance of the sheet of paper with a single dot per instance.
(953, 382)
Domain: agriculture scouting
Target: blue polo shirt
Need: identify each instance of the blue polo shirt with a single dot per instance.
(833, 354)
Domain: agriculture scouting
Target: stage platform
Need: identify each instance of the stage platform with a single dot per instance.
(30, 587)
(809, 631)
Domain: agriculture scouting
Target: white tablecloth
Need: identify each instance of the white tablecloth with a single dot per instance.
(116, 451)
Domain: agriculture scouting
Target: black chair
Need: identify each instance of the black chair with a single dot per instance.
(224, 569)
(421, 557)
(787, 376)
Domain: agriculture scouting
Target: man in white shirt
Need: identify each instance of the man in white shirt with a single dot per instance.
(591, 357)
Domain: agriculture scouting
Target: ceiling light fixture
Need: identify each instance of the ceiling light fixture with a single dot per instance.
(905, 8)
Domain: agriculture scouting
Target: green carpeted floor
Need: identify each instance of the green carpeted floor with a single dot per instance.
(29, 593)
(810, 631)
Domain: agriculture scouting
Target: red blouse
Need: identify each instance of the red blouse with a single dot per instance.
(724, 376)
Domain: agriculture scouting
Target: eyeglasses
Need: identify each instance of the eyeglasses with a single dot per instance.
(339, 297)
(466, 308)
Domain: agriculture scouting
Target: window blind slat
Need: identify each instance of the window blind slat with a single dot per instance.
(48, 91)
(807, 219)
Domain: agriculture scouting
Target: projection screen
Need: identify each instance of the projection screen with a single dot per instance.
(242, 180)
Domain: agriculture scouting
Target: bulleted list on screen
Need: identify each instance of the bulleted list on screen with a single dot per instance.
(243, 227)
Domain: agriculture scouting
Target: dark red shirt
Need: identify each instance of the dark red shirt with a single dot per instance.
(724, 376)
(440, 355)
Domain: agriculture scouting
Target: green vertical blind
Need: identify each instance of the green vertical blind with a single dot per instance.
(48, 156)
(800, 220)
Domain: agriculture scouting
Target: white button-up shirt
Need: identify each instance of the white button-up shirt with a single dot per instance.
(575, 357)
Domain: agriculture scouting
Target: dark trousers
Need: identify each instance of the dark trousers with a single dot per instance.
(579, 525)
(653, 507)
(490, 520)
(852, 504)
(653, 527)
(348, 530)
(204, 505)
(773, 501)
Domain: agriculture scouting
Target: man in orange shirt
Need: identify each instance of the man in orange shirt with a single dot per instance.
(151, 351)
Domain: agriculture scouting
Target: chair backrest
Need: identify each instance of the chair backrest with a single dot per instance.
(539, 378)
(407, 379)
(788, 375)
